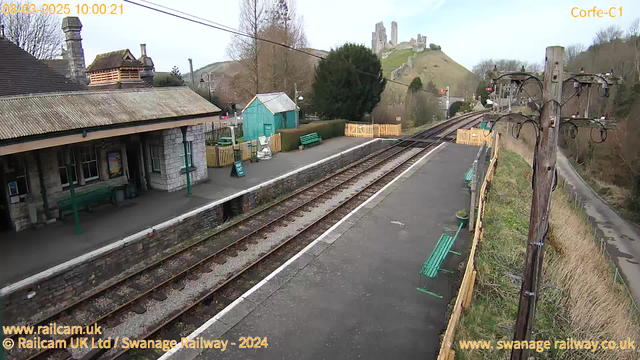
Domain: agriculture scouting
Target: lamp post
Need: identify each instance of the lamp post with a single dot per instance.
(297, 96)
(208, 83)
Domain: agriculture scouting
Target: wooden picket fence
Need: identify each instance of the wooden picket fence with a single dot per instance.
(223, 156)
(473, 137)
(463, 300)
(370, 131)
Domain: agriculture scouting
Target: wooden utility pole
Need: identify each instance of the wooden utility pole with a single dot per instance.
(543, 181)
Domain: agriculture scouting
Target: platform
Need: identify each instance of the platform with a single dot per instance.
(352, 293)
(31, 251)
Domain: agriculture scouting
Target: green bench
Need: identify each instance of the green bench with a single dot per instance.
(432, 266)
(310, 139)
(225, 141)
(468, 175)
(85, 199)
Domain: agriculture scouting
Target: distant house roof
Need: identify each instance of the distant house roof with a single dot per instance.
(275, 102)
(61, 66)
(37, 114)
(114, 60)
(22, 73)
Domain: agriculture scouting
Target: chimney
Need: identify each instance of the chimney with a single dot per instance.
(71, 26)
(148, 71)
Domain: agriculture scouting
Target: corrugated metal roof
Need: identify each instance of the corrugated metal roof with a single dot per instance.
(275, 102)
(38, 114)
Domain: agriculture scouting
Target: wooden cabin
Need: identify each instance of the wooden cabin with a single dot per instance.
(116, 70)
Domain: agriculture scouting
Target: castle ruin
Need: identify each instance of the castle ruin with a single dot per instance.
(380, 42)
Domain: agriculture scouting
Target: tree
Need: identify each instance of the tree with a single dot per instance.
(175, 72)
(246, 50)
(633, 37)
(348, 83)
(38, 34)
(416, 85)
(281, 67)
(164, 80)
(431, 87)
(482, 68)
(433, 46)
(571, 53)
(482, 92)
(610, 34)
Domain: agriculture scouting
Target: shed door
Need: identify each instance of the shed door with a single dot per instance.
(268, 130)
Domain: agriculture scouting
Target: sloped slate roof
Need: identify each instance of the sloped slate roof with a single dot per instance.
(275, 102)
(60, 66)
(38, 114)
(22, 73)
(113, 60)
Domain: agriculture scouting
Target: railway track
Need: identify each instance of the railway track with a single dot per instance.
(219, 268)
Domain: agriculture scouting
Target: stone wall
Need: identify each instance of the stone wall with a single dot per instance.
(173, 147)
(68, 282)
(171, 176)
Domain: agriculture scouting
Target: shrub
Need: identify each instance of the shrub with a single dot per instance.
(433, 46)
(326, 130)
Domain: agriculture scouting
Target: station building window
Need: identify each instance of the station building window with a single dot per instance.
(62, 169)
(21, 177)
(189, 155)
(156, 158)
(89, 161)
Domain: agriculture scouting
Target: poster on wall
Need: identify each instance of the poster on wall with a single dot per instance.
(114, 161)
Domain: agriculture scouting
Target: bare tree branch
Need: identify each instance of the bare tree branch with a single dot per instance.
(38, 34)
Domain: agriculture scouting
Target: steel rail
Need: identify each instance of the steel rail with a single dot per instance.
(179, 276)
(260, 259)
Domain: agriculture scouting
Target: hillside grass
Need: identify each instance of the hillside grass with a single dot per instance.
(395, 60)
(578, 297)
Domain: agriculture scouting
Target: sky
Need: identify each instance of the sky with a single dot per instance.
(468, 31)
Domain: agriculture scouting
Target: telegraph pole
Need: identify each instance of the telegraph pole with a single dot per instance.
(193, 82)
(543, 181)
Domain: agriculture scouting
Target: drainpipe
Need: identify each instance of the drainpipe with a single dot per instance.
(43, 188)
(186, 158)
(72, 192)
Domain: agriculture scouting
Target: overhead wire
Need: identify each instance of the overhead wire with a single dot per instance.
(205, 22)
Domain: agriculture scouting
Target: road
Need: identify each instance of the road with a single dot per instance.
(623, 237)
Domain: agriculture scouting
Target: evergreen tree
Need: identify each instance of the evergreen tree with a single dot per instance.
(175, 72)
(416, 85)
(349, 83)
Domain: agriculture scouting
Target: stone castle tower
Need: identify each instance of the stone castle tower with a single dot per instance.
(379, 39)
(394, 33)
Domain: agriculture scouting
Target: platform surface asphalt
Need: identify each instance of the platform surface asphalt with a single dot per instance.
(31, 251)
(623, 237)
(353, 294)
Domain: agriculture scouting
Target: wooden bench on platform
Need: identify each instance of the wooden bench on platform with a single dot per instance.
(310, 139)
(85, 199)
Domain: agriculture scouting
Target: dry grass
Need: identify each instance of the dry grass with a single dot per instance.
(579, 298)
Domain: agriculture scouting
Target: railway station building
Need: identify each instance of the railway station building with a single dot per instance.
(58, 137)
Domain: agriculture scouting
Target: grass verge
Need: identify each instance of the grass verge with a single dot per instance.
(578, 299)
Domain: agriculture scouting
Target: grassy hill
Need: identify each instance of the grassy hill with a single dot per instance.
(232, 68)
(431, 65)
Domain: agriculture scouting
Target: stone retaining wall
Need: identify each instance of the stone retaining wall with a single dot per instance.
(68, 282)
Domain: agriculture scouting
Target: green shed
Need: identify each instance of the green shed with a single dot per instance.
(267, 113)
